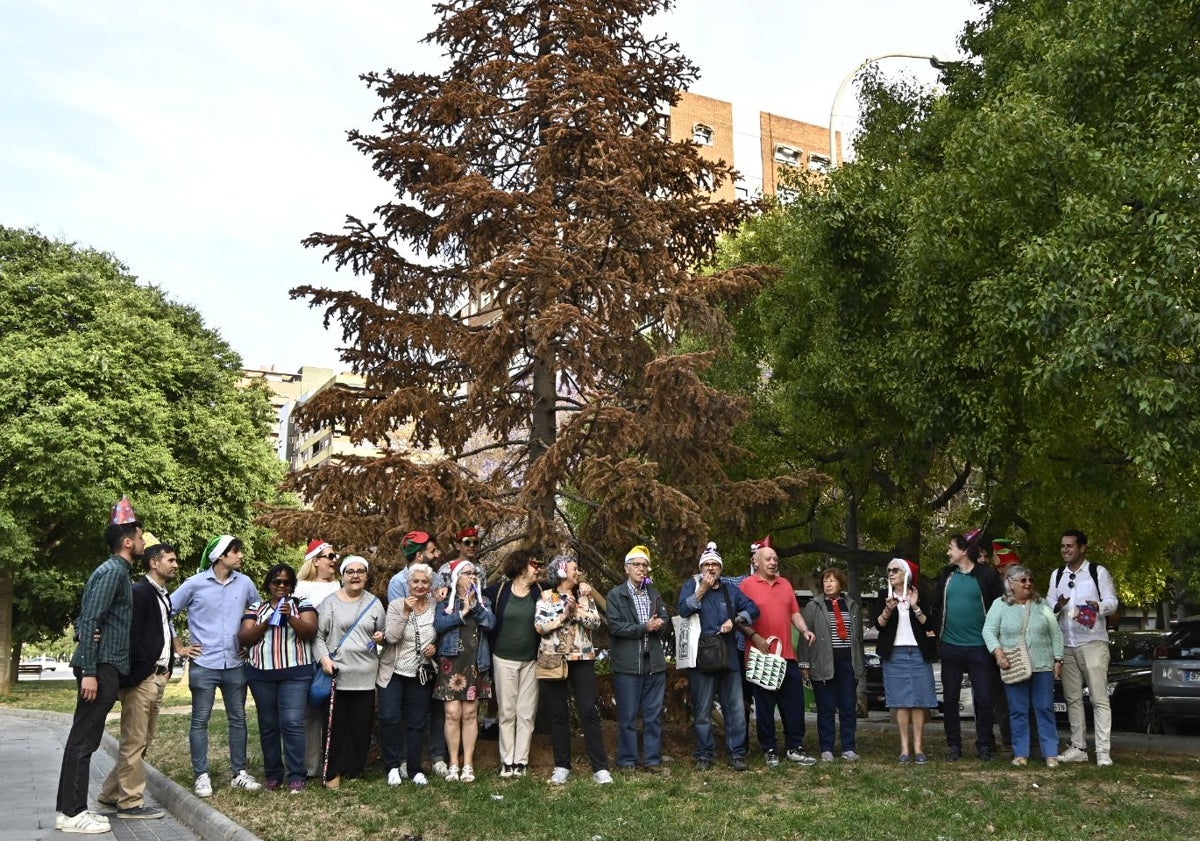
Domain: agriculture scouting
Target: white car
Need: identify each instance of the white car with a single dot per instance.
(48, 664)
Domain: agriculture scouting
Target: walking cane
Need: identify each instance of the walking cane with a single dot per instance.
(329, 727)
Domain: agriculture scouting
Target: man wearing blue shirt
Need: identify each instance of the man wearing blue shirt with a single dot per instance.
(215, 599)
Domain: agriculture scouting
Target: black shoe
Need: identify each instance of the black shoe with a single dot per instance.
(705, 764)
(985, 754)
(738, 764)
(140, 813)
(954, 754)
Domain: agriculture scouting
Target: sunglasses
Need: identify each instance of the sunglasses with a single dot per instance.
(1023, 580)
(283, 582)
(1071, 583)
(469, 541)
(328, 556)
(537, 564)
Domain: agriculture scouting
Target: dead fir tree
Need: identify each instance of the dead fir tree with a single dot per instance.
(532, 285)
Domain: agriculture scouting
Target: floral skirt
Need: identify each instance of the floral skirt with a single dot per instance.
(459, 679)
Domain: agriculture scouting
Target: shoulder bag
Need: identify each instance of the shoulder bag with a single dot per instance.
(322, 684)
(1020, 668)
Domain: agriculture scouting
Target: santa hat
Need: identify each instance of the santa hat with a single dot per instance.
(765, 543)
(316, 547)
(123, 513)
(636, 552)
(911, 570)
(457, 568)
(467, 531)
(710, 553)
(215, 549)
(413, 543)
(1005, 555)
(353, 559)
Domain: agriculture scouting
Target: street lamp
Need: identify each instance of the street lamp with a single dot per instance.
(937, 62)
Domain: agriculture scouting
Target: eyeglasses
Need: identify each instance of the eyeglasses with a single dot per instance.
(642, 564)
(1023, 580)
(469, 541)
(283, 582)
(467, 573)
(355, 572)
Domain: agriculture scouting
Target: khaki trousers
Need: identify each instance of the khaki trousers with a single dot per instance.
(126, 783)
(1088, 664)
(516, 700)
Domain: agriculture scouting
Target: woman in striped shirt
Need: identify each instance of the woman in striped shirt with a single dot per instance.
(277, 632)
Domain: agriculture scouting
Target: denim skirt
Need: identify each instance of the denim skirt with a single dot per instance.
(908, 680)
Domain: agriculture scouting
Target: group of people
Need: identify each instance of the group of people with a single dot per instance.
(989, 622)
(444, 642)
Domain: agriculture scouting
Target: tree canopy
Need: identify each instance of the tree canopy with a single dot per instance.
(108, 388)
(1002, 289)
(531, 286)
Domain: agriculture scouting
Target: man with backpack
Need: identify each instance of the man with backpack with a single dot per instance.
(1083, 594)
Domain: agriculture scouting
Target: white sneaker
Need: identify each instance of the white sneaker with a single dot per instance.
(244, 780)
(506, 771)
(87, 823)
(602, 777)
(1073, 754)
(441, 768)
(404, 769)
(850, 756)
(394, 778)
(559, 777)
(419, 779)
(203, 786)
(1103, 760)
(827, 756)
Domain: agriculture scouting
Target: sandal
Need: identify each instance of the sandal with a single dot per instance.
(467, 775)
(452, 774)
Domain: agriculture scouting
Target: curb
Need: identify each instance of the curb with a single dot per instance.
(191, 811)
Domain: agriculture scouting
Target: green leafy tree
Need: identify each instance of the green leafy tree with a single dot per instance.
(529, 285)
(108, 388)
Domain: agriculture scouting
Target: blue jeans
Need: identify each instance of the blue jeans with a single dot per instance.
(789, 697)
(976, 661)
(728, 686)
(639, 694)
(403, 714)
(1036, 695)
(838, 697)
(281, 705)
(203, 683)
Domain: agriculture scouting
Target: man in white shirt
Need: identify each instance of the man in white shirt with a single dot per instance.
(1082, 595)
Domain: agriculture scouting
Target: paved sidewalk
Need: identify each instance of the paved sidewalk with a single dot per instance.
(31, 745)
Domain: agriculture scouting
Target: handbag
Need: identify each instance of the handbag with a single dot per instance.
(712, 654)
(551, 665)
(687, 640)
(1020, 667)
(766, 669)
(321, 687)
(426, 671)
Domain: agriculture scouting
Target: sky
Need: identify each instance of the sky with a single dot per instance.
(200, 140)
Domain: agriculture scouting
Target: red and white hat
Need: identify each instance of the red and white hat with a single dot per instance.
(316, 547)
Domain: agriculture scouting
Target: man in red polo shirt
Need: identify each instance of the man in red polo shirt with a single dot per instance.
(779, 612)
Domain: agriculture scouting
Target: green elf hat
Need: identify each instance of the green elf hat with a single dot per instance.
(215, 549)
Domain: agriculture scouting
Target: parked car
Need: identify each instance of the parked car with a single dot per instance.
(1176, 676)
(1130, 693)
(48, 664)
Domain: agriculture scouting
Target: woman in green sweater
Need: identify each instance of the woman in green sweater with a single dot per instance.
(1024, 616)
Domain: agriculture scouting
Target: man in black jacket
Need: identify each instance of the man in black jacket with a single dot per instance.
(965, 592)
(151, 648)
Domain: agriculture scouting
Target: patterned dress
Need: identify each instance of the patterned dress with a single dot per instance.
(459, 677)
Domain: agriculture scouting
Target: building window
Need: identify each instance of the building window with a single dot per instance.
(818, 163)
(787, 155)
(702, 134)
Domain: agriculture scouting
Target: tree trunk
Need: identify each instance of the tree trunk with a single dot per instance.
(543, 423)
(8, 653)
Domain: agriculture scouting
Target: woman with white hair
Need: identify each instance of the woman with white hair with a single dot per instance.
(345, 647)
(566, 616)
(1021, 618)
(462, 623)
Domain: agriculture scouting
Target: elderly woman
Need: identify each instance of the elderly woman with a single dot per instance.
(1023, 616)
(405, 678)
(462, 622)
(514, 657)
(317, 581)
(345, 647)
(277, 632)
(566, 616)
(907, 648)
(835, 663)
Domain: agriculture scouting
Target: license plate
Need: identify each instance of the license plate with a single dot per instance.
(1060, 706)
(1191, 677)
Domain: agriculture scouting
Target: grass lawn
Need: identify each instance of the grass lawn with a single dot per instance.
(1144, 796)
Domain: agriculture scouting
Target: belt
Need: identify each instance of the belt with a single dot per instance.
(161, 670)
